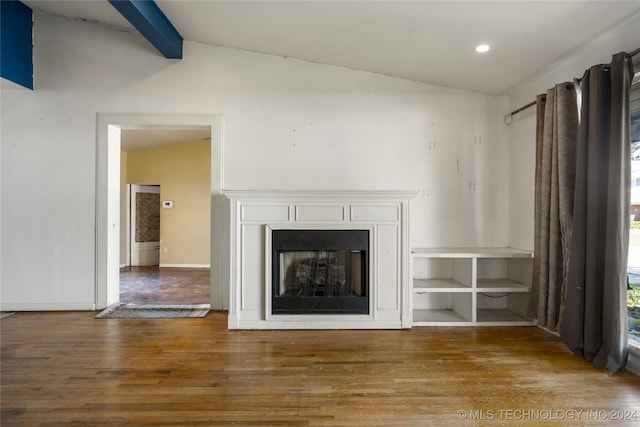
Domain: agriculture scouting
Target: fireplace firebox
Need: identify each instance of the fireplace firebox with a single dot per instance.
(320, 272)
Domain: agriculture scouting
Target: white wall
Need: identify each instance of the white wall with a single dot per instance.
(623, 38)
(288, 125)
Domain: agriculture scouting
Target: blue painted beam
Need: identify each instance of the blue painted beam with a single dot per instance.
(16, 42)
(151, 22)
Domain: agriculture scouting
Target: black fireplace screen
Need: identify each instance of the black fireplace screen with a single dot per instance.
(320, 272)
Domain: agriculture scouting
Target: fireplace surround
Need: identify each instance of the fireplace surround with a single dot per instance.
(318, 275)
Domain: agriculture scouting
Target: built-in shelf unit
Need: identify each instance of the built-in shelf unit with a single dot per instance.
(471, 286)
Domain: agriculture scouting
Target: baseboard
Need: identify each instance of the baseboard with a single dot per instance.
(186, 265)
(47, 307)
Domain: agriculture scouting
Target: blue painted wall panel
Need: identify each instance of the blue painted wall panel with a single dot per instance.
(16, 42)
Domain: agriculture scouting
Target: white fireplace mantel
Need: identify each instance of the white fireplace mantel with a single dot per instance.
(252, 216)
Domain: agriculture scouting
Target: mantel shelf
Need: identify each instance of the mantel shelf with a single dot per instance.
(319, 195)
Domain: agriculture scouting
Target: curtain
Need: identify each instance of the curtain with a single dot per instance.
(556, 135)
(594, 323)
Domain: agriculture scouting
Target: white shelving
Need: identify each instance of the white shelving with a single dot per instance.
(471, 286)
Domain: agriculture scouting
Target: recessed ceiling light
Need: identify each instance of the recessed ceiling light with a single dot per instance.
(482, 48)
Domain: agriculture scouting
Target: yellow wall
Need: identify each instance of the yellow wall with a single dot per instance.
(183, 172)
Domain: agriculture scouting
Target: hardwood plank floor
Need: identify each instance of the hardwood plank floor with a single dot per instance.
(69, 368)
(166, 285)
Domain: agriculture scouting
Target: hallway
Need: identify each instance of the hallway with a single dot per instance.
(155, 285)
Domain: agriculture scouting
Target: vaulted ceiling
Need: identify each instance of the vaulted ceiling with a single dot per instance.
(427, 41)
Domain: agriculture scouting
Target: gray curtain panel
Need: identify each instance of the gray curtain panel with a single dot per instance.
(594, 321)
(556, 135)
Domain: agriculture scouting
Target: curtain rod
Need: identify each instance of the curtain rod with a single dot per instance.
(508, 117)
(531, 104)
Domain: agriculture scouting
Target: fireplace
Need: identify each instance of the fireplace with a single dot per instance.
(320, 271)
(357, 242)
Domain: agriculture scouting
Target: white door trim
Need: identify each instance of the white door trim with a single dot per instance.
(108, 199)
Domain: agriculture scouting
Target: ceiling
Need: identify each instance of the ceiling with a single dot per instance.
(141, 139)
(426, 41)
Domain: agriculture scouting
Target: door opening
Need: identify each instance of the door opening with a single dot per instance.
(108, 194)
(179, 159)
(144, 225)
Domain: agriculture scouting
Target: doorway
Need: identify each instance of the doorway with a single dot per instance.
(144, 225)
(108, 184)
(178, 162)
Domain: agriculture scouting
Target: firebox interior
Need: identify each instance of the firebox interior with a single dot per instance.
(320, 272)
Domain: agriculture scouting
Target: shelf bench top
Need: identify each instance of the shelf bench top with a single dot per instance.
(472, 253)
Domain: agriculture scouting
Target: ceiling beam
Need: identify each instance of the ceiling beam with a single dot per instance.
(16, 43)
(152, 23)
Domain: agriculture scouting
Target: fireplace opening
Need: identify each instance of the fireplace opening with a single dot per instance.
(320, 272)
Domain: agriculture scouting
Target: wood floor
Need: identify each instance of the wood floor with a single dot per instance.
(69, 368)
(164, 285)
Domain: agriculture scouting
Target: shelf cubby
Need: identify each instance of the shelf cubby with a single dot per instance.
(443, 307)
